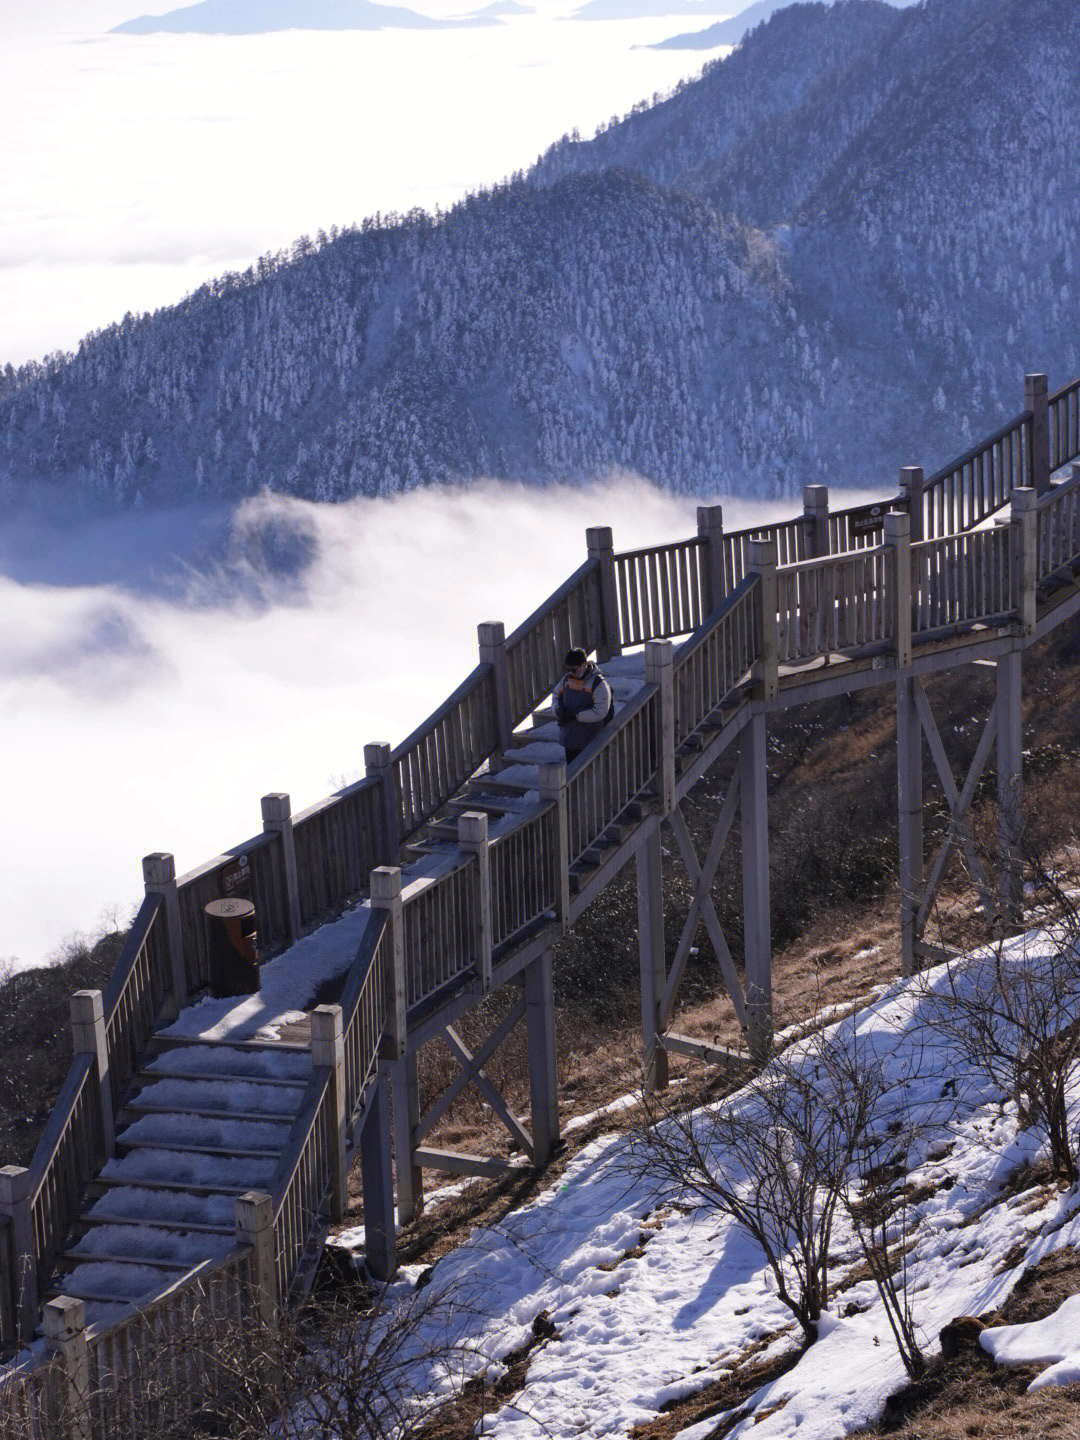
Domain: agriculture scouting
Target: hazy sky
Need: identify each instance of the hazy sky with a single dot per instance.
(136, 167)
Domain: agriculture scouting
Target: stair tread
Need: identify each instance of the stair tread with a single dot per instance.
(226, 1152)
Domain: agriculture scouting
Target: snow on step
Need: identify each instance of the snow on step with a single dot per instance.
(539, 752)
(232, 1061)
(226, 1096)
(142, 1242)
(183, 1167)
(108, 1281)
(204, 1133)
(163, 1207)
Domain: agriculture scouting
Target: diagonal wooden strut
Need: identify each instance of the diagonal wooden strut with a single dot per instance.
(959, 805)
(701, 907)
(471, 1073)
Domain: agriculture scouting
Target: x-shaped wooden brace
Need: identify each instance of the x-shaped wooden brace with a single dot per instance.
(471, 1073)
(702, 908)
(959, 806)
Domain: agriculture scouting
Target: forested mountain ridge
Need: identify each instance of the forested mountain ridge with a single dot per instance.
(836, 252)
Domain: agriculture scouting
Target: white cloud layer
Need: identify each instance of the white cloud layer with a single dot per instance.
(144, 165)
(150, 705)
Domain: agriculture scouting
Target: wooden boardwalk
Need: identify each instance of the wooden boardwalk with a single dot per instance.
(472, 846)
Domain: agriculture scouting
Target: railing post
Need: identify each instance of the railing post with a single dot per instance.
(277, 819)
(761, 561)
(377, 766)
(473, 840)
(816, 519)
(1025, 554)
(652, 957)
(88, 1036)
(159, 878)
(602, 549)
(543, 1064)
(757, 920)
(1036, 399)
(405, 1080)
(898, 538)
(710, 529)
(328, 1052)
(386, 895)
(378, 1183)
(67, 1391)
(911, 492)
(255, 1227)
(909, 793)
(551, 783)
(15, 1203)
(492, 637)
(660, 671)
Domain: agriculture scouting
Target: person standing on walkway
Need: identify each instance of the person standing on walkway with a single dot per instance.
(583, 702)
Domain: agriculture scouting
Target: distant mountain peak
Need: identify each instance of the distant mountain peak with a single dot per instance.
(258, 17)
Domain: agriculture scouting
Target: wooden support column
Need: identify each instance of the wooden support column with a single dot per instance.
(602, 549)
(88, 1037)
(651, 955)
(405, 1081)
(898, 538)
(277, 819)
(1010, 789)
(68, 1413)
(757, 925)
(1025, 527)
(710, 529)
(328, 1053)
(816, 519)
(254, 1218)
(543, 1066)
(386, 895)
(1036, 399)
(911, 492)
(15, 1204)
(909, 772)
(551, 784)
(660, 670)
(378, 767)
(159, 878)
(761, 561)
(492, 638)
(378, 1180)
(473, 840)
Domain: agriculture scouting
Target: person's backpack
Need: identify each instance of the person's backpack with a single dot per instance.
(611, 706)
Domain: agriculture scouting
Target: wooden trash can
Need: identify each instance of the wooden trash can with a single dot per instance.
(231, 935)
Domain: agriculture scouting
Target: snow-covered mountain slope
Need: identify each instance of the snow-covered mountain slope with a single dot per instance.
(651, 1301)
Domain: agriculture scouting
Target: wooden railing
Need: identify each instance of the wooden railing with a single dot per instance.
(1059, 526)
(150, 1369)
(523, 875)
(134, 997)
(437, 759)
(968, 490)
(337, 845)
(67, 1156)
(440, 925)
(793, 540)
(365, 1005)
(198, 887)
(859, 527)
(962, 579)
(710, 664)
(606, 781)
(1064, 416)
(660, 591)
(834, 604)
(300, 1185)
(536, 649)
(22, 1399)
